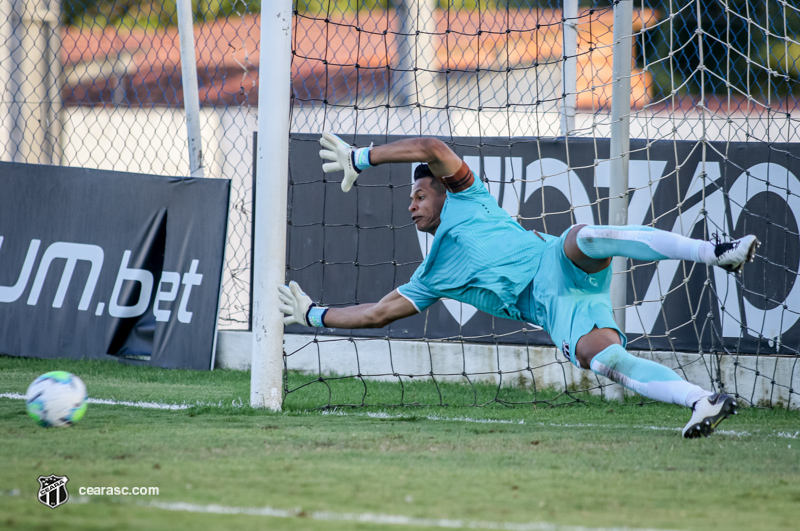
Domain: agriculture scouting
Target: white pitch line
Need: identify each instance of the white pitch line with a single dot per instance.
(145, 405)
(384, 415)
(377, 518)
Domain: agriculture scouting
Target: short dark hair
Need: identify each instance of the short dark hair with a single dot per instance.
(422, 171)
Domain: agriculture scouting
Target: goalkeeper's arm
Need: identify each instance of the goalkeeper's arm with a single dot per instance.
(298, 307)
(441, 160)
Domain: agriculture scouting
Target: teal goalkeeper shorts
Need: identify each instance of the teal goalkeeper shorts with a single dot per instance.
(568, 302)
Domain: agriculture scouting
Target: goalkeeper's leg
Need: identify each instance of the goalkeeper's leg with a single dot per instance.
(591, 246)
(601, 351)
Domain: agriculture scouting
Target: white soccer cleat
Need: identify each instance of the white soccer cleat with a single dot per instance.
(731, 256)
(707, 413)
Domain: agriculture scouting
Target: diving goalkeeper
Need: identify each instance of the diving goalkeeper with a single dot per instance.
(483, 257)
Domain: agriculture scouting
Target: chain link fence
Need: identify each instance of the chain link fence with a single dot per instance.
(98, 84)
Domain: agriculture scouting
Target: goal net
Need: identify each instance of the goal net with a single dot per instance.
(694, 128)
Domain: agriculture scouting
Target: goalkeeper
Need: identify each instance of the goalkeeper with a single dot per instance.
(481, 256)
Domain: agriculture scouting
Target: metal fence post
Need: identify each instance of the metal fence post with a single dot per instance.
(191, 97)
(569, 66)
(620, 154)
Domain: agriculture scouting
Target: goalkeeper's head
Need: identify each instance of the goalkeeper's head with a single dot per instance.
(427, 200)
(422, 171)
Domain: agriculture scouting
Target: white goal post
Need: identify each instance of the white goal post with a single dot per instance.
(269, 247)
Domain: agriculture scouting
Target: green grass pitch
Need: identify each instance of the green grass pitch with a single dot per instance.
(223, 465)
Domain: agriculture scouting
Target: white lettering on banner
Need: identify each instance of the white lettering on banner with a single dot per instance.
(644, 176)
(189, 279)
(555, 174)
(511, 186)
(143, 277)
(74, 252)
(773, 322)
(12, 293)
(166, 296)
(641, 319)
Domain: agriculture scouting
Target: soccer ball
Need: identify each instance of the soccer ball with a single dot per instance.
(56, 399)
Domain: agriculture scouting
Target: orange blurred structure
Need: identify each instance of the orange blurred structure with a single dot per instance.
(339, 57)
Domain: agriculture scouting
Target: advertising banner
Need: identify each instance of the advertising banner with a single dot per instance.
(357, 247)
(99, 264)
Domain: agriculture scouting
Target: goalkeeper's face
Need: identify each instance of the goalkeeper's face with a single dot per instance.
(426, 205)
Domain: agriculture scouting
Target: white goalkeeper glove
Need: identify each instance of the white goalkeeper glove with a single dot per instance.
(297, 307)
(343, 157)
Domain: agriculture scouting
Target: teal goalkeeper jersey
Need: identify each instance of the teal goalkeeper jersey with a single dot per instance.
(479, 256)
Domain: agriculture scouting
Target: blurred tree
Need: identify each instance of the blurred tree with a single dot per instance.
(739, 41)
(149, 13)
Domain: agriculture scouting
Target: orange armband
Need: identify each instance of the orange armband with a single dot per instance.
(460, 180)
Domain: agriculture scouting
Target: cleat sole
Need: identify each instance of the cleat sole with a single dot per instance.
(707, 426)
(751, 255)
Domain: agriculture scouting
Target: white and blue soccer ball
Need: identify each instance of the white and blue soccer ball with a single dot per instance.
(56, 399)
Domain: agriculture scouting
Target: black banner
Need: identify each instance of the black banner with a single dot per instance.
(99, 264)
(356, 247)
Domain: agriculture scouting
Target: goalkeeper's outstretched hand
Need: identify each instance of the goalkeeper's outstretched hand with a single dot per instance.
(343, 157)
(294, 304)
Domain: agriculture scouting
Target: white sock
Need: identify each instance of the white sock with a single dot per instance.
(648, 378)
(695, 395)
(706, 255)
(642, 243)
(679, 247)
